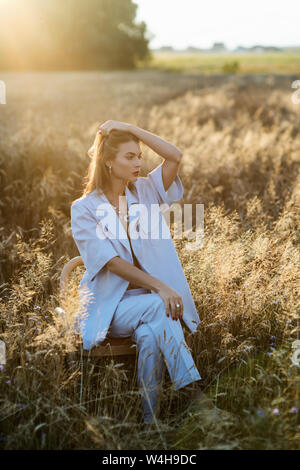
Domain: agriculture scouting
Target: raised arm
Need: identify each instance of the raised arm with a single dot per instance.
(168, 151)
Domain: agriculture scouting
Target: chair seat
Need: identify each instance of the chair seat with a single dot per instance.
(110, 347)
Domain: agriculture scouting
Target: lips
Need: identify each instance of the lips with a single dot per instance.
(136, 173)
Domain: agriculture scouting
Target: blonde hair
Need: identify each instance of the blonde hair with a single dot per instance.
(104, 148)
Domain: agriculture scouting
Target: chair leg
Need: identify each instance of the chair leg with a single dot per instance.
(82, 370)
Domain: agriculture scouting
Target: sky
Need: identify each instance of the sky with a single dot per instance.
(198, 23)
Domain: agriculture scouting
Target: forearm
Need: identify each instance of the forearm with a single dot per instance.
(133, 274)
(157, 144)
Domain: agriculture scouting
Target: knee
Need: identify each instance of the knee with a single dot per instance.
(155, 307)
(159, 304)
(144, 337)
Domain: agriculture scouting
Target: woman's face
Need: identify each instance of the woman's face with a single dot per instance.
(127, 162)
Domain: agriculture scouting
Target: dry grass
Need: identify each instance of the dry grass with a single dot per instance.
(240, 138)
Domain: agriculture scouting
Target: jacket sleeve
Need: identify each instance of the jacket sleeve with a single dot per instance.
(95, 251)
(175, 191)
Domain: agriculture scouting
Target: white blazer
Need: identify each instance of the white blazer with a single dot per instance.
(100, 236)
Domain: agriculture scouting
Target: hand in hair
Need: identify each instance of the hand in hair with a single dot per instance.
(110, 125)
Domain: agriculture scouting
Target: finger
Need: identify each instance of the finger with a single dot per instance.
(167, 307)
(171, 309)
(103, 129)
(178, 310)
(174, 309)
(181, 308)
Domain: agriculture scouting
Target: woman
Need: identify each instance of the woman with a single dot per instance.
(134, 284)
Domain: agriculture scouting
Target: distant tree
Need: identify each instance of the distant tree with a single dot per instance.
(218, 47)
(166, 48)
(71, 34)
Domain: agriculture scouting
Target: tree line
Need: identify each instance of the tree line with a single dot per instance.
(71, 35)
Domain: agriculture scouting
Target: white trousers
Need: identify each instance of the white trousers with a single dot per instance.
(141, 314)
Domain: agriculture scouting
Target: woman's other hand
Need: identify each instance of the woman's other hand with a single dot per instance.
(171, 298)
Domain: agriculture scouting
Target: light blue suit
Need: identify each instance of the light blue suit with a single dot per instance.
(100, 238)
(157, 257)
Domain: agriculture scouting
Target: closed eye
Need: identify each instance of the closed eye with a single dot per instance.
(131, 157)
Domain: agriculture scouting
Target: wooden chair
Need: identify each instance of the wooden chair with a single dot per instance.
(110, 346)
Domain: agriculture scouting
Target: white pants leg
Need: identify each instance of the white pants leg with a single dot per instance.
(142, 315)
(150, 369)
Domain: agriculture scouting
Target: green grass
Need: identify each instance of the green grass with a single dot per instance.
(279, 63)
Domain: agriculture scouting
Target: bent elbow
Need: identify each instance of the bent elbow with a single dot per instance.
(111, 263)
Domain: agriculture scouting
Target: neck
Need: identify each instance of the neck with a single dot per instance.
(113, 193)
(117, 188)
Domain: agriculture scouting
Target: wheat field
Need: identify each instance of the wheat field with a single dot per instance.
(240, 137)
